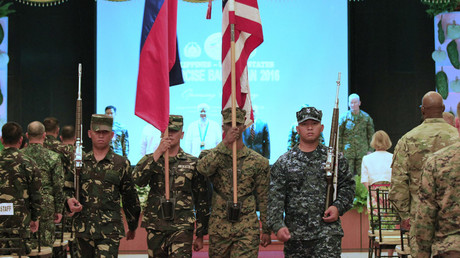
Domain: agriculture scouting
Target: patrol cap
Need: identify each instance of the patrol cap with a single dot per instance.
(309, 113)
(175, 122)
(101, 123)
(227, 115)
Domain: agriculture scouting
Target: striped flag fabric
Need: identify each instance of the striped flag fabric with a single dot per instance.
(244, 14)
(159, 65)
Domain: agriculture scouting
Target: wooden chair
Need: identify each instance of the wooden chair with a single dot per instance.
(12, 242)
(385, 231)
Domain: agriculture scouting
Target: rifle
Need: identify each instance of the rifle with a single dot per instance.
(332, 161)
(78, 140)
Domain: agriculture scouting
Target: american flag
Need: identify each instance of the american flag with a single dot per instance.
(244, 14)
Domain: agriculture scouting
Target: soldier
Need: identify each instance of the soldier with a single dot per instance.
(410, 154)
(298, 190)
(257, 136)
(52, 179)
(173, 237)
(52, 131)
(18, 172)
(67, 148)
(355, 134)
(104, 178)
(436, 230)
(293, 138)
(120, 141)
(240, 238)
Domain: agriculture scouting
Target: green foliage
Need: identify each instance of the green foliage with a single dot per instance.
(361, 194)
(4, 9)
(437, 7)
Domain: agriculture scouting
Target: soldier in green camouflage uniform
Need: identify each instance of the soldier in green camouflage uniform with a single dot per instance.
(52, 131)
(173, 238)
(120, 141)
(437, 230)
(355, 134)
(105, 184)
(20, 183)
(410, 154)
(241, 238)
(298, 190)
(52, 179)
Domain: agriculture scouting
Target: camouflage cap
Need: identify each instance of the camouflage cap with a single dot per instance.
(175, 122)
(309, 113)
(101, 123)
(227, 115)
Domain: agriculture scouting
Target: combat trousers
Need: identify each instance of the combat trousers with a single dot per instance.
(241, 246)
(329, 246)
(354, 159)
(170, 243)
(100, 248)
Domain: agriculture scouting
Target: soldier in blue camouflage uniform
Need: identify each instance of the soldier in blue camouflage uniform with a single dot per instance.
(410, 154)
(298, 190)
(188, 188)
(240, 238)
(293, 138)
(120, 141)
(105, 184)
(20, 183)
(355, 134)
(437, 230)
(52, 180)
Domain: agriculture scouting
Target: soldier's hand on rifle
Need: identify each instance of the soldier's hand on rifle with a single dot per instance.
(165, 144)
(130, 235)
(232, 135)
(74, 205)
(198, 243)
(34, 226)
(57, 217)
(331, 214)
(265, 240)
(283, 234)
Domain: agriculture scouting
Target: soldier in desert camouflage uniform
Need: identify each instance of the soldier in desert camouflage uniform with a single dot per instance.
(437, 226)
(173, 238)
(355, 134)
(410, 154)
(20, 183)
(298, 190)
(241, 238)
(120, 141)
(105, 184)
(52, 179)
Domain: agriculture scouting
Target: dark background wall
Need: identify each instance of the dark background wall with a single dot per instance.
(390, 45)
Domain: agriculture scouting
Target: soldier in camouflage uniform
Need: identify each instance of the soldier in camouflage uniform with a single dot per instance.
(298, 190)
(410, 154)
(355, 134)
(120, 141)
(241, 238)
(52, 180)
(437, 228)
(188, 188)
(20, 183)
(105, 184)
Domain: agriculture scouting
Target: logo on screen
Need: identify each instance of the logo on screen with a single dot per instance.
(213, 46)
(192, 50)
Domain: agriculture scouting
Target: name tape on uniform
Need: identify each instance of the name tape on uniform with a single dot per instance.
(6, 209)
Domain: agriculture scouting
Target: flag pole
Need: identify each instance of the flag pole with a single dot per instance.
(233, 83)
(166, 156)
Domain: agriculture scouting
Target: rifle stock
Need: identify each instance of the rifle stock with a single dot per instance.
(78, 139)
(331, 166)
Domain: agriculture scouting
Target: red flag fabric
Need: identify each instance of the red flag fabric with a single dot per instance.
(158, 56)
(244, 14)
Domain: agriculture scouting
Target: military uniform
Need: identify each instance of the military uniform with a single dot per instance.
(298, 190)
(52, 180)
(20, 184)
(104, 186)
(120, 141)
(408, 158)
(355, 135)
(66, 152)
(173, 238)
(236, 239)
(437, 230)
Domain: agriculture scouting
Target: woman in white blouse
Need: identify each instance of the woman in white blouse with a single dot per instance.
(376, 167)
